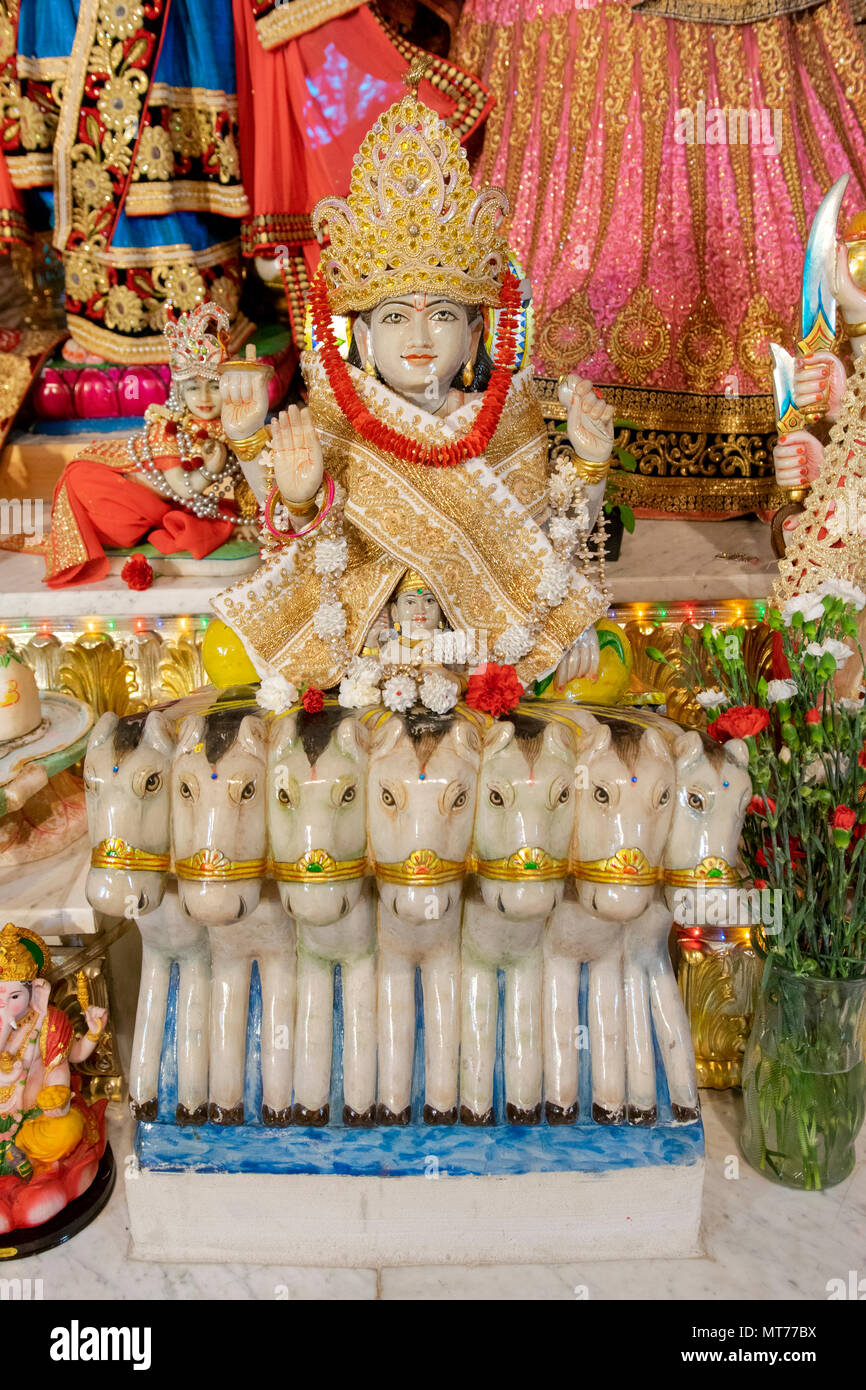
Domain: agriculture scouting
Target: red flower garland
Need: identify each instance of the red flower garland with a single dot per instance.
(375, 431)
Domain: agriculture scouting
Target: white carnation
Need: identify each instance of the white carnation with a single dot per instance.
(844, 589)
(780, 690)
(399, 692)
(437, 693)
(513, 643)
(277, 694)
(852, 706)
(564, 530)
(357, 694)
(332, 555)
(329, 620)
(811, 608)
(712, 699)
(830, 647)
(555, 582)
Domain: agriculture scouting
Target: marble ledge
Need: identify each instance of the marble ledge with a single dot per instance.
(663, 561)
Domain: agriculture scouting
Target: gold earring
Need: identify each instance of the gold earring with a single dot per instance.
(468, 374)
(370, 367)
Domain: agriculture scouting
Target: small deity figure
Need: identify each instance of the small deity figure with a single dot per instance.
(421, 462)
(43, 1119)
(177, 484)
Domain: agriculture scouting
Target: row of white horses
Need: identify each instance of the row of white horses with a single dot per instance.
(388, 842)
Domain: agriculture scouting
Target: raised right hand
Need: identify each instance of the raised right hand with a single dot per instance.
(797, 459)
(298, 464)
(819, 381)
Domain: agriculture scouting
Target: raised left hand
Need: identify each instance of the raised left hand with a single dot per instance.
(590, 419)
(95, 1018)
(245, 403)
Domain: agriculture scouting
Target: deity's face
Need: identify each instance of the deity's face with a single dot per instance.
(14, 1000)
(419, 343)
(201, 396)
(417, 613)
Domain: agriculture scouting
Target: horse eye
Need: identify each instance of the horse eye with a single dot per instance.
(387, 797)
(696, 801)
(248, 792)
(564, 795)
(185, 791)
(665, 797)
(495, 797)
(153, 783)
(459, 801)
(283, 796)
(601, 796)
(348, 795)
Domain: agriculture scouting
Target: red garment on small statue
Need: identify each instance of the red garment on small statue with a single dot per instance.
(181, 530)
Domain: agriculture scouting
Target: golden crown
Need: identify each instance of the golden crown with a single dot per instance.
(193, 351)
(23, 954)
(413, 222)
(412, 583)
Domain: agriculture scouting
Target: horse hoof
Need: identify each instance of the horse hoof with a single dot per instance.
(557, 1116)
(469, 1117)
(515, 1116)
(639, 1115)
(185, 1117)
(314, 1118)
(144, 1110)
(359, 1119)
(432, 1116)
(384, 1116)
(276, 1119)
(685, 1114)
(603, 1115)
(225, 1115)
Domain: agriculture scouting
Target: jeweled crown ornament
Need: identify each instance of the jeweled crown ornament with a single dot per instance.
(23, 954)
(413, 222)
(195, 351)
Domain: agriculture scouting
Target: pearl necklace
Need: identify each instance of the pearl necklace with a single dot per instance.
(142, 456)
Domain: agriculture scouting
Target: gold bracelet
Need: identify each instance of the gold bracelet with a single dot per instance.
(248, 449)
(855, 330)
(94, 1037)
(591, 472)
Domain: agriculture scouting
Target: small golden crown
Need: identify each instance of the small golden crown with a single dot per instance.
(193, 351)
(413, 222)
(23, 954)
(412, 583)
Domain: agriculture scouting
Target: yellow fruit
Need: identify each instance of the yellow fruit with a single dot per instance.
(614, 671)
(225, 659)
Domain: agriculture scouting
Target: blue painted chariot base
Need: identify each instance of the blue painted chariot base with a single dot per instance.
(416, 1150)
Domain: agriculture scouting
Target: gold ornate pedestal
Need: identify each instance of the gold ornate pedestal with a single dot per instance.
(718, 974)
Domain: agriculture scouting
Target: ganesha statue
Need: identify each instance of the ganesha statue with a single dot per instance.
(51, 1139)
(413, 526)
(176, 485)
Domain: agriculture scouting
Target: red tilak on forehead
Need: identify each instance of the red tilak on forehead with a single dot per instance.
(420, 301)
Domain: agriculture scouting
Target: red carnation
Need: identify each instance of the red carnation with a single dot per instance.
(813, 715)
(740, 721)
(494, 689)
(137, 573)
(843, 818)
(313, 700)
(761, 805)
(190, 465)
(760, 883)
(780, 667)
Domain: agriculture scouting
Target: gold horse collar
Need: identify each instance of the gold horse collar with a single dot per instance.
(212, 866)
(317, 866)
(526, 864)
(114, 853)
(628, 866)
(422, 868)
(713, 871)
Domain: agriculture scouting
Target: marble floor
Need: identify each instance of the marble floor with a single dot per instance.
(760, 1242)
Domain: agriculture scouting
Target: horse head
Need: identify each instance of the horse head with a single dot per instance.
(422, 779)
(713, 788)
(317, 806)
(126, 782)
(218, 796)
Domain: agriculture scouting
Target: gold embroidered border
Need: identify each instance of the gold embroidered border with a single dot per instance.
(722, 11)
(186, 195)
(673, 410)
(549, 119)
(135, 256)
(31, 170)
(210, 98)
(41, 69)
(293, 17)
(776, 62)
(114, 347)
(270, 229)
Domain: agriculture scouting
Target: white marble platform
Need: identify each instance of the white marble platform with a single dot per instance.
(661, 561)
(48, 895)
(759, 1242)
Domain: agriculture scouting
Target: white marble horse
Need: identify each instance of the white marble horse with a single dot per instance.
(523, 827)
(422, 782)
(623, 807)
(219, 837)
(317, 800)
(127, 776)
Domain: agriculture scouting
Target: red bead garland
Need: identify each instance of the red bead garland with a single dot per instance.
(375, 431)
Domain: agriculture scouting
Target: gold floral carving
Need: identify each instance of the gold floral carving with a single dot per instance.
(718, 987)
(181, 668)
(640, 339)
(95, 671)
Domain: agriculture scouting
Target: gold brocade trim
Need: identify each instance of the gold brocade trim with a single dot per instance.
(114, 853)
(734, 93)
(290, 18)
(145, 257)
(619, 58)
(529, 35)
(528, 864)
(628, 867)
(212, 866)
(199, 98)
(317, 866)
(14, 227)
(496, 76)
(41, 69)
(722, 11)
(818, 66)
(115, 347)
(771, 38)
(653, 409)
(421, 869)
(846, 55)
(271, 229)
(31, 170)
(679, 496)
(549, 119)
(186, 195)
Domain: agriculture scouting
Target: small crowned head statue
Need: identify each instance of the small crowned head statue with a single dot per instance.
(415, 610)
(195, 357)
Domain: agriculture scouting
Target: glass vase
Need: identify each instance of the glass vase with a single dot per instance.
(804, 1078)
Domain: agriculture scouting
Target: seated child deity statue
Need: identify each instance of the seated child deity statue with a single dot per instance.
(413, 524)
(177, 484)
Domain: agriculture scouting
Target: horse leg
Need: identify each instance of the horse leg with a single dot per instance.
(607, 1039)
(277, 971)
(561, 985)
(193, 998)
(675, 1041)
(313, 1038)
(523, 1006)
(440, 981)
(477, 1041)
(640, 1063)
(359, 1040)
(230, 995)
(396, 1034)
(149, 1031)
